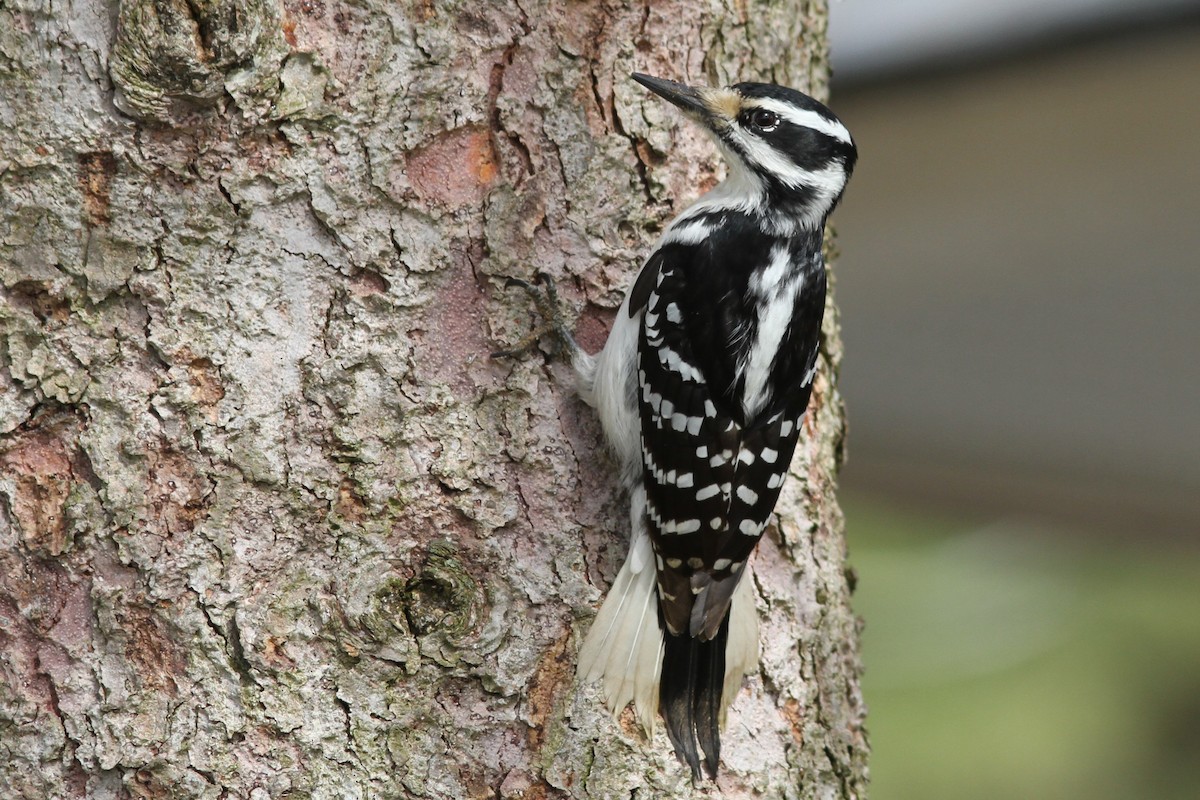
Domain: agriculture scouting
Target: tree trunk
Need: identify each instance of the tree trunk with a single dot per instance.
(272, 524)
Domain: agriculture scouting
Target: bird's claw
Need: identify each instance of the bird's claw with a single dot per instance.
(544, 294)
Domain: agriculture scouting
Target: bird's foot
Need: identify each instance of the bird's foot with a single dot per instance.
(544, 294)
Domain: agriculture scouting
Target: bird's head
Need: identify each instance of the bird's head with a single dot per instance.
(785, 150)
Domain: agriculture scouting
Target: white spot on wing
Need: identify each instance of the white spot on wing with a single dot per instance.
(747, 495)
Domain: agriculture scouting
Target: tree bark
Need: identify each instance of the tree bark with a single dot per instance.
(272, 524)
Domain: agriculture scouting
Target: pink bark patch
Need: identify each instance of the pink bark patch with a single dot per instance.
(455, 323)
(592, 328)
(40, 464)
(456, 169)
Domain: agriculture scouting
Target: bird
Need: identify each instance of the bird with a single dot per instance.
(701, 389)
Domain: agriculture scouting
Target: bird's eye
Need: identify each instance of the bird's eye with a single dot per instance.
(764, 120)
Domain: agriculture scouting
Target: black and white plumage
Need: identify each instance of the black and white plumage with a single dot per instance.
(701, 388)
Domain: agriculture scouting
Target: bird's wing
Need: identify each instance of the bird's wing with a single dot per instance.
(711, 478)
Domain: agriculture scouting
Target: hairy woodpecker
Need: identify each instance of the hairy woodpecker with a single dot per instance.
(701, 389)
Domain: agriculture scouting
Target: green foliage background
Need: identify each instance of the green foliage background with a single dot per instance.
(1008, 660)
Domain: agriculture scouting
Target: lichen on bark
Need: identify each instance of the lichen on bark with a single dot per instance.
(271, 522)
(171, 54)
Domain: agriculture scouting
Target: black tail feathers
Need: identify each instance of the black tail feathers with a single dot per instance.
(693, 676)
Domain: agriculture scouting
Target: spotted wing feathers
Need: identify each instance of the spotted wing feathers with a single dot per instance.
(711, 481)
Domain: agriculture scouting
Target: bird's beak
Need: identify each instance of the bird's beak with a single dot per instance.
(687, 98)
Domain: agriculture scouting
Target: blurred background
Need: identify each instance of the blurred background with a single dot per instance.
(1020, 287)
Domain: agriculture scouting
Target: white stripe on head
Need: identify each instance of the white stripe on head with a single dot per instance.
(827, 182)
(804, 117)
(744, 189)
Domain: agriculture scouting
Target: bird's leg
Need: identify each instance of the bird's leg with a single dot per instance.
(544, 294)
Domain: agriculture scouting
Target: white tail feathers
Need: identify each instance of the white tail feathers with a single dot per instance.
(741, 649)
(623, 651)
